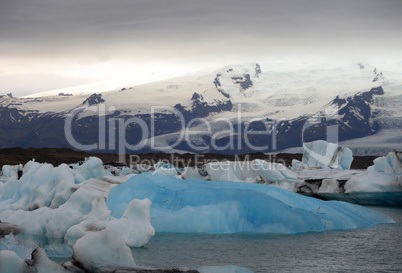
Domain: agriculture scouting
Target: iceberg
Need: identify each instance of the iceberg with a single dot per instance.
(10, 170)
(256, 171)
(384, 176)
(40, 185)
(92, 168)
(199, 206)
(102, 250)
(10, 262)
(323, 154)
(51, 208)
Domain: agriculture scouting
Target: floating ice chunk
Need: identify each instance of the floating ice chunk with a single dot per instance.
(384, 176)
(324, 154)
(198, 206)
(82, 212)
(134, 227)
(52, 224)
(371, 181)
(236, 171)
(256, 171)
(22, 248)
(42, 264)
(102, 186)
(92, 168)
(166, 165)
(99, 251)
(191, 173)
(10, 171)
(10, 262)
(166, 168)
(329, 185)
(390, 164)
(166, 171)
(274, 172)
(41, 185)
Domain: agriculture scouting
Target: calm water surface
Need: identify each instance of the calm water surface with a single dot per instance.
(377, 249)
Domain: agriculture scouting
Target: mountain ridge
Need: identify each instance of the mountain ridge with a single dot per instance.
(262, 98)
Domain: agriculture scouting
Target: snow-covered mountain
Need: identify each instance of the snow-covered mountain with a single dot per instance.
(236, 109)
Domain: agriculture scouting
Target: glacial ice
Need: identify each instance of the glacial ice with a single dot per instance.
(198, 206)
(98, 250)
(256, 171)
(166, 169)
(22, 248)
(10, 170)
(10, 262)
(51, 208)
(92, 168)
(384, 176)
(133, 227)
(43, 185)
(320, 153)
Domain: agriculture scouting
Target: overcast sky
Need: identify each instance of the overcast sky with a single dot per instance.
(50, 44)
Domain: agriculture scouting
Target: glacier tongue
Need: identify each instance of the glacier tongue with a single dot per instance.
(198, 206)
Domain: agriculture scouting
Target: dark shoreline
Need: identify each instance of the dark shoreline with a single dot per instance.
(57, 156)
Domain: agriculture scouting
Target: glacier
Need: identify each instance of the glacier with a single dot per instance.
(199, 206)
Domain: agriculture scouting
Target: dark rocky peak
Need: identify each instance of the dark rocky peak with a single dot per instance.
(197, 96)
(226, 95)
(65, 95)
(361, 66)
(244, 82)
(361, 97)
(94, 99)
(357, 106)
(338, 101)
(257, 70)
(378, 76)
(368, 95)
(217, 82)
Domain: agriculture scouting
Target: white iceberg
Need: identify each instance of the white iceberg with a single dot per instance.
(256, 171)
(384, 176)
(51, 208)
(323, 154)
(99, 251)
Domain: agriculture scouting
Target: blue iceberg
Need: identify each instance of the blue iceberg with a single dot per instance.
(199, 206)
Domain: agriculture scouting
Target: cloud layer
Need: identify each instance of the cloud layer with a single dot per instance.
(75, 32)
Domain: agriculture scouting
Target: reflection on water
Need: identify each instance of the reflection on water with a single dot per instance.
(363, 250)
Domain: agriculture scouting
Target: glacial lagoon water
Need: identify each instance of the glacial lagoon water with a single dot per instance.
(377, 249)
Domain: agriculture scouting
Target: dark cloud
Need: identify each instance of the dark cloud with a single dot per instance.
(54, 26)
(98, 30)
